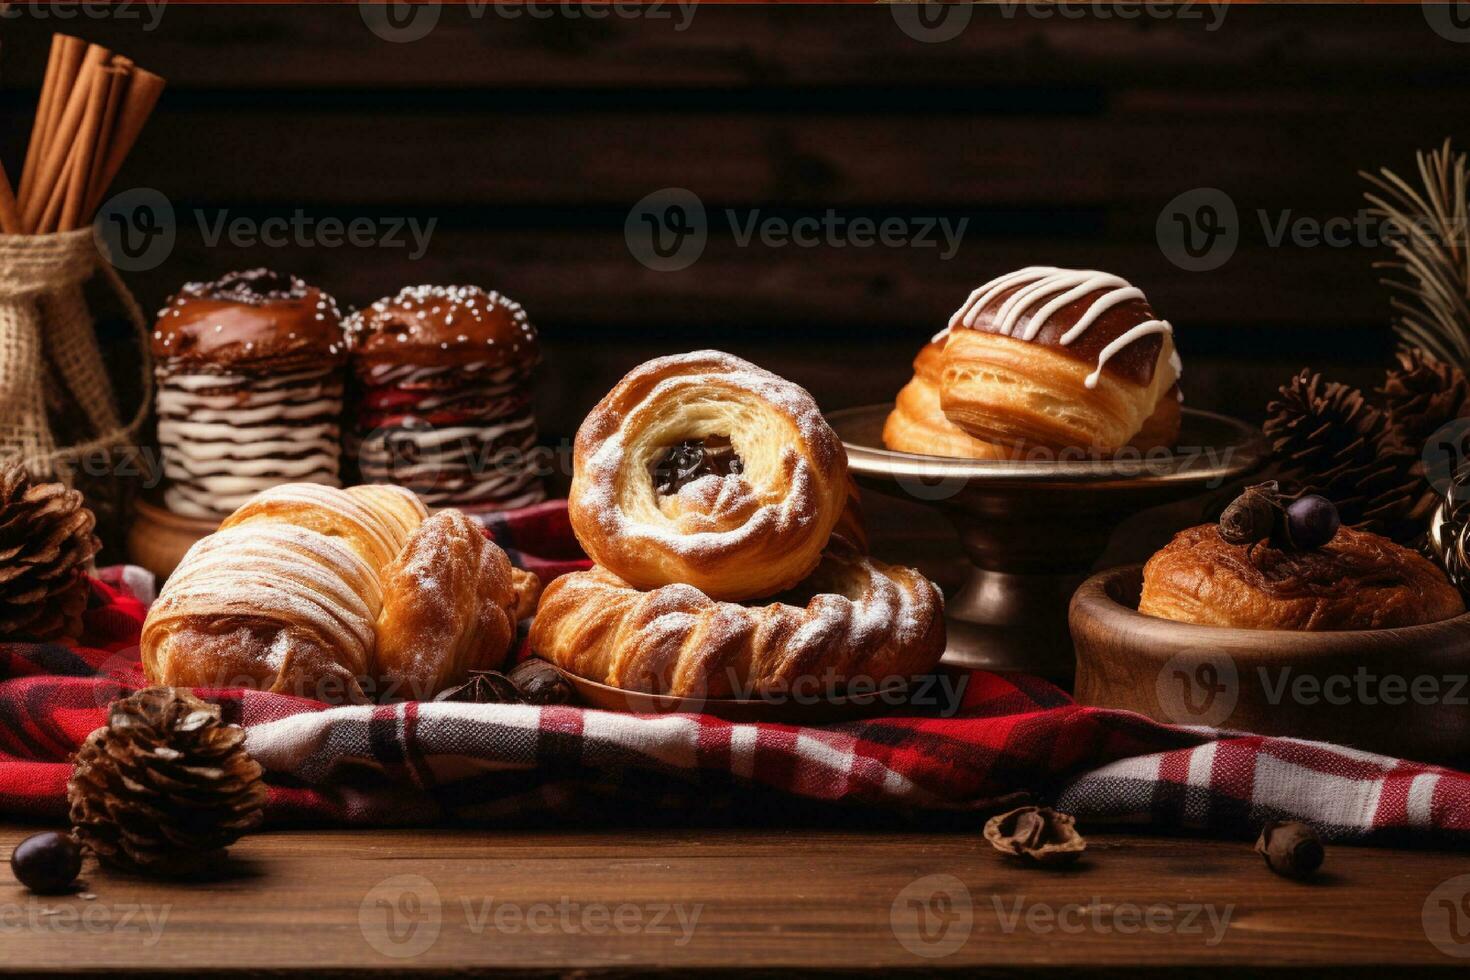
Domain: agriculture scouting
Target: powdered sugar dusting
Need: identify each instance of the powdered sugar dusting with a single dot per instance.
(792, 461)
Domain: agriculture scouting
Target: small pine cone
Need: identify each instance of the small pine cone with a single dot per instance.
(164, 787)
(46, 547)
(1326, 439)
(1421, 396)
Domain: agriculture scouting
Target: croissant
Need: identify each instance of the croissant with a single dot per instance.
(854, 618)
(707, 470)
(917, 423)
(1061, 358)
(315, 591)
(450, 605)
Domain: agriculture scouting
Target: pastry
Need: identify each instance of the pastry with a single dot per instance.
(917, 423)
(335, 594)
(1060, 358)
(705, 470)
(1357, 581)
(249, 372)
(445, 406)
(451, 603)
(854, 617)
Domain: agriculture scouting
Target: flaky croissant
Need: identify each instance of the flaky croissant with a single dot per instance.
(325, 593)
(706, 470)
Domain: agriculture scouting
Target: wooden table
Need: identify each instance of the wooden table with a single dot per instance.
(638, 901)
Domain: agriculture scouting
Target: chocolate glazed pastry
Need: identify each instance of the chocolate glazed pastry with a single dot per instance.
(445, 405)
(250, 371)
(1064, 358)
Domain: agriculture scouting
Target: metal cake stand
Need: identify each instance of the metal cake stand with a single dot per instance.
(1033, 529)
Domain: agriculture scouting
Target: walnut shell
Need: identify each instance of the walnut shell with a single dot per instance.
(1037, 833)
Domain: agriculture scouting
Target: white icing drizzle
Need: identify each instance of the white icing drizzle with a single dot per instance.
(1041, 291)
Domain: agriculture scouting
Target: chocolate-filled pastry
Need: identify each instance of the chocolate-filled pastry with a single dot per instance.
(1063, 358)
(250, 371)
(445, 401)
(1357, 581)
(853, 618)
(706, 470)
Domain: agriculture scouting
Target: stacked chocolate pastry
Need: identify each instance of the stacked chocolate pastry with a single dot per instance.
(250, 372)
(445, 407)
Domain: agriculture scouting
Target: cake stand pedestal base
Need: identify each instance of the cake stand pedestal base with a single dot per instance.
(1033, 529)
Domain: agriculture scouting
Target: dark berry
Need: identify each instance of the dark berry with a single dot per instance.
(47, 863)
(540, 683)
(1311, 522)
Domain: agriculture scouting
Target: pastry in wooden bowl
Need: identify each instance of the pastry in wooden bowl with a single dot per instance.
(1357, 581)
(1353, 640)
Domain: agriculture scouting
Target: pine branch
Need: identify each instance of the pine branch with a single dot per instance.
(1431, 294)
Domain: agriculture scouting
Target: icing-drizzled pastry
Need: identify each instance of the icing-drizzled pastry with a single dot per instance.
(854, 618)
(445, 405)
(705, 470)
(1356, 581)
(1063, 358)
(917, 423)
(249, 372)
(335, 594)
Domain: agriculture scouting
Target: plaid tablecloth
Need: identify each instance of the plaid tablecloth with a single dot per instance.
(417, 763)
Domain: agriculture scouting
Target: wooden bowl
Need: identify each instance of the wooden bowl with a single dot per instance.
(158, 537)
(1401, 692)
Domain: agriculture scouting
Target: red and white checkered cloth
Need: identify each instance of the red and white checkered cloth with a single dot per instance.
(418, 763)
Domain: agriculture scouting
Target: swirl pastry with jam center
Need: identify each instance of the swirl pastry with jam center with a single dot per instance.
(706, 470)
(854, 618)
(1063, 358)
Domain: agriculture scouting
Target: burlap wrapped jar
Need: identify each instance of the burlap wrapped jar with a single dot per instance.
(58, 411)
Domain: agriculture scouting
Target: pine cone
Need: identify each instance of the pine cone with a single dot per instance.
(46, 545)
(1328, 440)
(1422, 395)
(164, 787)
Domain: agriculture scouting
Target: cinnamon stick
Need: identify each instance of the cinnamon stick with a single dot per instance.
(62, 66)
(91, 138)
(9, 209)
(54, 159)
(141, 95)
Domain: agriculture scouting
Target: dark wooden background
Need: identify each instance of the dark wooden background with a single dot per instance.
(529, 139)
